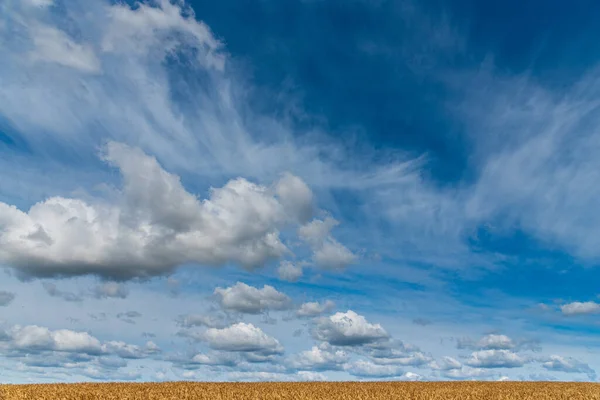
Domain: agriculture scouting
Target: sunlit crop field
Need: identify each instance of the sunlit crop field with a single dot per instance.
(321, 390)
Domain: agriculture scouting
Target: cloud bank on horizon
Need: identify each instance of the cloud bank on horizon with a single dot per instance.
(284, 192)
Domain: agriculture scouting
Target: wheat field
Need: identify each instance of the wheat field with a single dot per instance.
(305, 390)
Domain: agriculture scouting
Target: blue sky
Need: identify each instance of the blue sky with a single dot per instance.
(300, 190)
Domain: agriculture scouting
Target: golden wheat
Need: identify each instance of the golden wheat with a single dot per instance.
(305, 390)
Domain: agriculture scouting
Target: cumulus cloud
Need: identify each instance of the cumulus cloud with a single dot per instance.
(497, 342)
(314, 309)
(242, 337)
(568, 365)
(33, 339)
(579, 308)
(155, 227)
(397, 357)
(445, 364)
(466, 373)
(250, 300)
(363, 368)
(288, 271)
(296, 197)
(495, 359)
(6, 298)
(320, 358)
(327, 252)
(348, 329)
(215, 359)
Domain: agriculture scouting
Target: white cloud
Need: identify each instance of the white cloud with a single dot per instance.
(314, 309)
(579, 308)
(149, 29)
(464, 373)
(156, 226)
(333, 255)
(495, 342)
(445, 364)
(363, 368)
(39, 3)
(36, 345)
(130, 351)
(250, 300)
(348, 329)
(401, 358)
(495, 359)
(54, 46)
(209, 321)
(296, 197)
(289, 272)
(320, 358)
(36, 338)
(523, 182)
(220, 358)
(411, 376)
(242, 337)
(6, 298)
(259, 376)
(569, 365)
(311, 376)
(327, 252)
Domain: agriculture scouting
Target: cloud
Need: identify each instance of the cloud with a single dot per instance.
(53, 45)
(242, 337)
(156, 226)
(396, 357)
(53, 291)
(289, 272)
(259, 376)
(130, 351)
(215, 359)
(393, 352)
(314, 309)
(194, 320)
(320, 358)
(362, 368)
(327, 252)
(33, 339)
(445, 364)
(6, 298)
(250, 300)
(296, 197)
(465, 373)
(495, 359)
(578, 308)
(348, 329)
(568, 365)
(111, 290)
(129, 316)
(35, 346)
(497, 342)
(537, 159)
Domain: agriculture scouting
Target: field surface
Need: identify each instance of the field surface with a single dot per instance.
(321, 390)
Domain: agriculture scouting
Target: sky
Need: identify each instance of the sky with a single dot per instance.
(299, 190)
